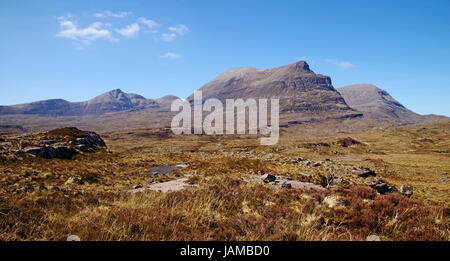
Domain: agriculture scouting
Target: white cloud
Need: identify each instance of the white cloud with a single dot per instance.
(130, 31)
(150, 24)
(171, 56)
(173, 32)
(181, 29)
(168, 37)
(109, 14)
(86, 35)
(341, 64)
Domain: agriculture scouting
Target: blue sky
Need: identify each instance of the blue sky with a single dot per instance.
(76, 50)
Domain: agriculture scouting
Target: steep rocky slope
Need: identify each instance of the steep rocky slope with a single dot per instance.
(377, 104)
(299, 89)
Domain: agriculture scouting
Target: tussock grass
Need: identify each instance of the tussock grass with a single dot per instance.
(37, 203)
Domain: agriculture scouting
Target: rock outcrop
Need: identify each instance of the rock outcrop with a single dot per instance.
(71, 141)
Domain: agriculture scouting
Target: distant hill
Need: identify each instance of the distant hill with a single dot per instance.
(377, 104)
(112, 101)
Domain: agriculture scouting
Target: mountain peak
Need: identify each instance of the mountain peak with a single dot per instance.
(375, 102)
(115, 92)
(297, 87)
(301, 65)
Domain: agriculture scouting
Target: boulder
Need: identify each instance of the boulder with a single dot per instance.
(363, 172)
(64, 152)
(317, 164)
(73, 238)
(379, 185)
(82, 147)
(83, 141)
(95, 139)
(43, 152)
(406, 190)
(60, 152)
(161, 170)
(286, 185)
(373, 238)
(269, 178)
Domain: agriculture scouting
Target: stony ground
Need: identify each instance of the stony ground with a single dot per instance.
(152, 185)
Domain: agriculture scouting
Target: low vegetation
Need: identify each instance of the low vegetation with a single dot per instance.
(50, 199)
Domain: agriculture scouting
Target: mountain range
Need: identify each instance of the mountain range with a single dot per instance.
(304, 97)
(113, 101)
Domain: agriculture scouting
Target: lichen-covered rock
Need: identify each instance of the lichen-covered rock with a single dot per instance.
(406, 190)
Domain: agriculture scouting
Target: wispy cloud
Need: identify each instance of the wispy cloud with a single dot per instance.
(173, 32)
(129, 31)
(150, 24)
(181, 29)
(171, 56)
(109, 14)
(168, 37)
(85, 35)
(340, 64)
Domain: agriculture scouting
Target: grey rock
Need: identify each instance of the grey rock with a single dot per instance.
(73, 238)
(270, 178)
(286, 185)
(43, 152)
(406, 190)
(60, 152)
(64, 152)
(48, 142)
(82, 147)
(95, 139)
(373, 238)
(379, 185)
(317, 164)
(161, 170)
(83, 141)
(363, 172)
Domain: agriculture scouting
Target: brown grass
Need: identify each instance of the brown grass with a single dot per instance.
(36, 203)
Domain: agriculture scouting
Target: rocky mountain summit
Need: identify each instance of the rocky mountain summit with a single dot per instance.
(112, 101)
(297, 87)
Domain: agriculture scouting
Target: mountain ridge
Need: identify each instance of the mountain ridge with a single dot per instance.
(378, 104)
(297, 87)
(112, 101)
